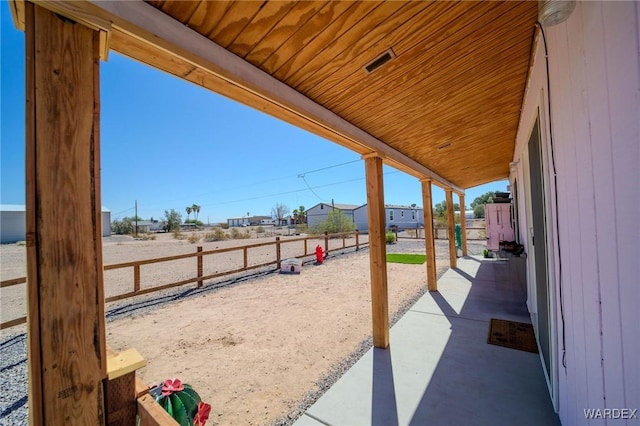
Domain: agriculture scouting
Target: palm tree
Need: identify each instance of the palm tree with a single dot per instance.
(302, 214)
(196, 210)
(295, 216)
(189, 210)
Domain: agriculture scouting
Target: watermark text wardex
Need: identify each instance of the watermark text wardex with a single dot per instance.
(611, 413)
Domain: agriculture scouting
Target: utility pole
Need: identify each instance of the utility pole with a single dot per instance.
(136, 218)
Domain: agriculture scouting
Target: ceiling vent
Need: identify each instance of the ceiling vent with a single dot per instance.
(379, 61)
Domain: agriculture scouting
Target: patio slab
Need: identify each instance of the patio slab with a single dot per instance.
(439, 369)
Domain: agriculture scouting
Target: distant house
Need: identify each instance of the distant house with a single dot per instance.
(146, 226)
(13, 223)
(402, 217)
(320, 212)
(251, 221)
(238, 221)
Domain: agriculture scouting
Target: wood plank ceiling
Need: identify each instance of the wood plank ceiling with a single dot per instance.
(449, 99)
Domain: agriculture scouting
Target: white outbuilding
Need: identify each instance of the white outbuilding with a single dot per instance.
(13, 223)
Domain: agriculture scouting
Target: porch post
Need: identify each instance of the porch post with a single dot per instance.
(66, 343)
(429, 237)
(463, 225)
(377, 251)
(451, 231)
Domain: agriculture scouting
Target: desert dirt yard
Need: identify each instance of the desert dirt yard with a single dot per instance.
(259, 349)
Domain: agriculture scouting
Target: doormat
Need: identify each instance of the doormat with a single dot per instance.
(511, 334)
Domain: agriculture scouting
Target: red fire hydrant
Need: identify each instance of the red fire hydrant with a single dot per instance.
(319, 254)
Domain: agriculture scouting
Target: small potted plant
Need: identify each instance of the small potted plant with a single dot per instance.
(181, 402)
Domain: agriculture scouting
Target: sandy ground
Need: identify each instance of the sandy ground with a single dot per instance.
(120, 249)
(256, 349)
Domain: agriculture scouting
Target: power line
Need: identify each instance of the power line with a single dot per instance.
(123, 211)
(263, 181)
(327, 168)
(310, 189)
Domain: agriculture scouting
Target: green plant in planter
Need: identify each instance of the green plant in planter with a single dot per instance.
(485, 253)
(181, 402)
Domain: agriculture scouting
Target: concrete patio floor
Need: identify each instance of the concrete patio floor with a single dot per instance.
(439, 368)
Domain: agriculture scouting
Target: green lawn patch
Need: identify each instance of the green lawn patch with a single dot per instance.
(412, 259)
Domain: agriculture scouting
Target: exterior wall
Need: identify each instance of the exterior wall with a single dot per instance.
(406, 221)
(320, 212)
(12, 227)
(361, 219)
(592, 234)
(316, 214)
(106, 224)
(403, 218)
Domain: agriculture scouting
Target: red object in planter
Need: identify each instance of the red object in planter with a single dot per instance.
(319, 254)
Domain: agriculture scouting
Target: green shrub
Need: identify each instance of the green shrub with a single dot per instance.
(260, 230)
(237, 235)
(390, 237)
(178, 235)
(122, 227)
(193, 238)
(485, 253)
(217, 234)
(336, 222)
(224, 225)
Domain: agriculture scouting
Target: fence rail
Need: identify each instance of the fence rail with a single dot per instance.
(200, 255)
(418, 234)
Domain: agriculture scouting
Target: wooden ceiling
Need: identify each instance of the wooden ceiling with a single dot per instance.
(450, 98)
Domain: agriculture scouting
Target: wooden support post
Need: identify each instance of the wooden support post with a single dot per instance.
(278, 259)
(377, 251)
(200, 266)
(451, 229)
(357, 240)
(326, 242)
(463, 225)
(245, 257)
(136, 278)
(429, 237)
(66, 330)
(305, 246)
(343, 242)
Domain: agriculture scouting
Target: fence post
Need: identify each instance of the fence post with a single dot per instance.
(136, 278)
(326, 242)
(343, 243)
(278, 252)
(357, 240)
(245, 257)
(305, 246)
(200, 274)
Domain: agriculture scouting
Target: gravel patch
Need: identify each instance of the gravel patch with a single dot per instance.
(13, 380)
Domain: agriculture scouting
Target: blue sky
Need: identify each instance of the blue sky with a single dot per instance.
(169, 144)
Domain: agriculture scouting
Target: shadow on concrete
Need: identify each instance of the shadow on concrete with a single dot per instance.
(384, 409)
(475, 383)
